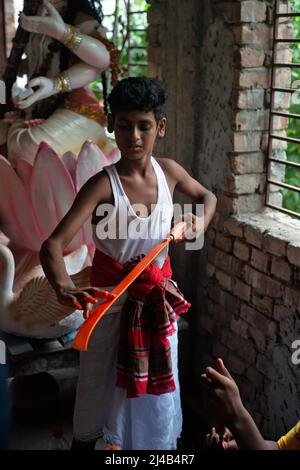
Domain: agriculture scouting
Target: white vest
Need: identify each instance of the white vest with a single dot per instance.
(139, 234)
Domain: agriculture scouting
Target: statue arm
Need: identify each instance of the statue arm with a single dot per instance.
(89, 50)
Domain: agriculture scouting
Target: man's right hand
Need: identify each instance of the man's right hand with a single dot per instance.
(82, 299)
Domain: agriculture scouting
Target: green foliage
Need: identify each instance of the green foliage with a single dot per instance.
(291, 199)
(138, 39)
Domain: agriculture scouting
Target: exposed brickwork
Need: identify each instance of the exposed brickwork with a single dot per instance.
(219, 78)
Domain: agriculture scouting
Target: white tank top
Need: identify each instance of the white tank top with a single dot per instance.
(136, 235)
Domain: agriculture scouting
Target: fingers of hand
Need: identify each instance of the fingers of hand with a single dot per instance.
(102, 294)
(70, 300)
(29, 101)
(23, 95)
(87, 311)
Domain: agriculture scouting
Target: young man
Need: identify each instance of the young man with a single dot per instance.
(135, 344)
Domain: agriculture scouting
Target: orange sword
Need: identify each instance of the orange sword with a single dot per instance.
(82, 338)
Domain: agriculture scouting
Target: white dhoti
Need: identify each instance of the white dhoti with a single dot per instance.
(149, 422)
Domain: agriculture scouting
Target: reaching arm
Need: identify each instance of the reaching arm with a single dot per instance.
(180, 180)
(96, 190)
(223, 400)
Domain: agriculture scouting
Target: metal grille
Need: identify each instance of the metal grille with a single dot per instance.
(125, 21)
(282, 85)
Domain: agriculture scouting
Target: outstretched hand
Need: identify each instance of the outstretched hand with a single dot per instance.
(82, 299)
(221, 394)
(51, 25)
(45, 88)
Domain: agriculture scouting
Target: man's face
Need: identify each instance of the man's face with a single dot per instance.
(135, 132)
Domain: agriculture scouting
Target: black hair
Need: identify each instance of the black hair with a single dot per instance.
(138, 94)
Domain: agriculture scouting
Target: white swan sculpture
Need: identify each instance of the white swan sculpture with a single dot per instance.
(33, 311)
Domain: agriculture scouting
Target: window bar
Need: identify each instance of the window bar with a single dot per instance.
(274, 112)
(272, 105)
(285, 162)
(128, 37)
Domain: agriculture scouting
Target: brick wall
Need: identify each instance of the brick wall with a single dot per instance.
(214, 60)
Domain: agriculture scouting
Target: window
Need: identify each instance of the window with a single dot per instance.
(283, 166)
(126, 21)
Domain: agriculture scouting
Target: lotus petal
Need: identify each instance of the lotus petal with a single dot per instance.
(17, 218)
(52, 192)
(90, 161)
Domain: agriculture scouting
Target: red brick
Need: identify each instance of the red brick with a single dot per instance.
(241, 290)
(210, 269)
(218, 222)
(247, 163)
(281, 269)
(253, 236)
(249, 57)
(236, 267)
(243, 348)
(281, 312)
(246, 184)
(224, 279)
(248, 99)
(257, 320)
(246, 142)
(258, 337)
(241, 250)
(234, 227)
(225, 204)
(252, 78)
(251, 120)
(259, 260)
(262, 283)
(283, 77)
(293, 254)
(260, 34)
(220, 259)
(231, 303)
(223, 242)
(215, 293)
(292, 298)
(263, 303)
(249, 203)
(246, 12)
(285, 32)
(274, 245)
(253, 11)
(240, 327)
